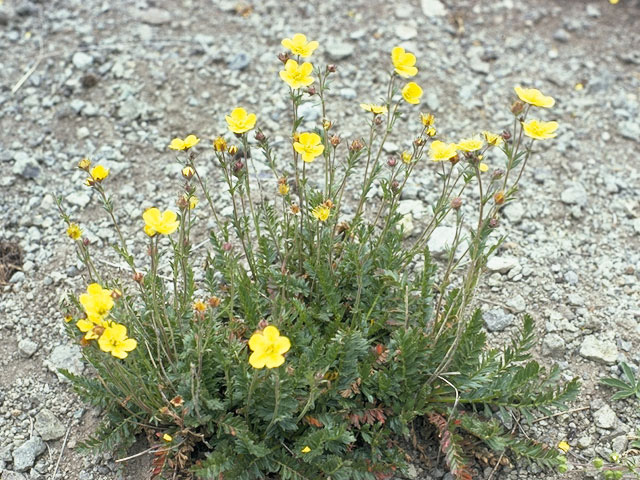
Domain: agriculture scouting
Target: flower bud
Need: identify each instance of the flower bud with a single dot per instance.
(517, 107)
(226, 246)
(138, 277)
(188, 172)
(331, 68)
(431, 131)
(328, 203)
(455, 159)
(214, 302)
(418, 142)
(84, 164)
(392, 162)
(116, 294)
(456, 203)
(312, 90)
(395, 185)
(262, 324)
(498, 198)
(493, 223)
(283, 57)
(232, 150)
(219, 144)
(377, 120)
(238, 166)
(506, 135)
(295, 209)
(327, 124)
(260, 137)
(356, 145)
(342, 227)
(85, 241)
(283, 188)
(498, 173)
(176, 401)
(183, 202)
(427, 119)
(334, 140)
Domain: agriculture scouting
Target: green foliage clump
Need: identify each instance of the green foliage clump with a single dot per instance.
(380, 333)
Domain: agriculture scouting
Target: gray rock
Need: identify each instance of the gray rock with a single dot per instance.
(575, 194)
(575, 299)
(154, 16)
(514, 212)
(497, 319)
(48, 425)
(414, 207)
(571, 277)
(338, 50)
(239, 61)
(81, 199)
(478, 65)
(561, 35)
(25, 165)
(585, 441)
(66, 357)
(602, 351)
(433, 8)
(619, 444)
(310, 111)
(27, 347)
(593, 11)
(406, 32)
(636, 225)
(4, 18)
(25, 455)
(502, 264)
(10, 475)
(441, 239)
(83, 132)
(605, 417)
(432, 100)
(5, 454)
(630, 129)
(554, 345)
(82, 60)
(348, 93)
(517, 303)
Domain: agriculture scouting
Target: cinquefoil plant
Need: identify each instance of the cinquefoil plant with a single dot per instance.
(316, 338)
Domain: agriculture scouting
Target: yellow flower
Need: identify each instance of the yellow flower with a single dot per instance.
(427, 119)
(97, 302)
(534, 97)
(219, 144)
(283, 189)
(540, 130)
(186, 144)
(199, 306)
(412, 93)
(375, 109)
(406, 157)
(167, 438)
(613, 2)
(299, 45)
(492, 138)
(441, 151)
(193, 202)
(98, 173)
(297, 76)
(115, 341)
(155, 222)
(431, 131)
(67, 318)
(470, 144)
(92, 330)
(239, 122)
(564, 446)
(74, 231)
(306, 449)
(84, 164)
(321, 212)
(483, 167)
(309, 145)
(403, 62)
(268, 348)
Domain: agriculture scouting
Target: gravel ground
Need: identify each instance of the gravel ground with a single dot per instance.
(116, 80)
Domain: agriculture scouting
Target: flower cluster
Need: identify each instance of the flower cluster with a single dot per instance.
(97, 303)
(536, 129)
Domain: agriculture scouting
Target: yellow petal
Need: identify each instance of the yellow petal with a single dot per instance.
(257, 342)
(257, 360)
(274, 360)
(271, 333)
(282, 345)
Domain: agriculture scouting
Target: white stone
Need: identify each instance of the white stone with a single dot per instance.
(602, 351)
(433, 8)
(82, 60)
(441, 239)
(605, 418)
(502, 264)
